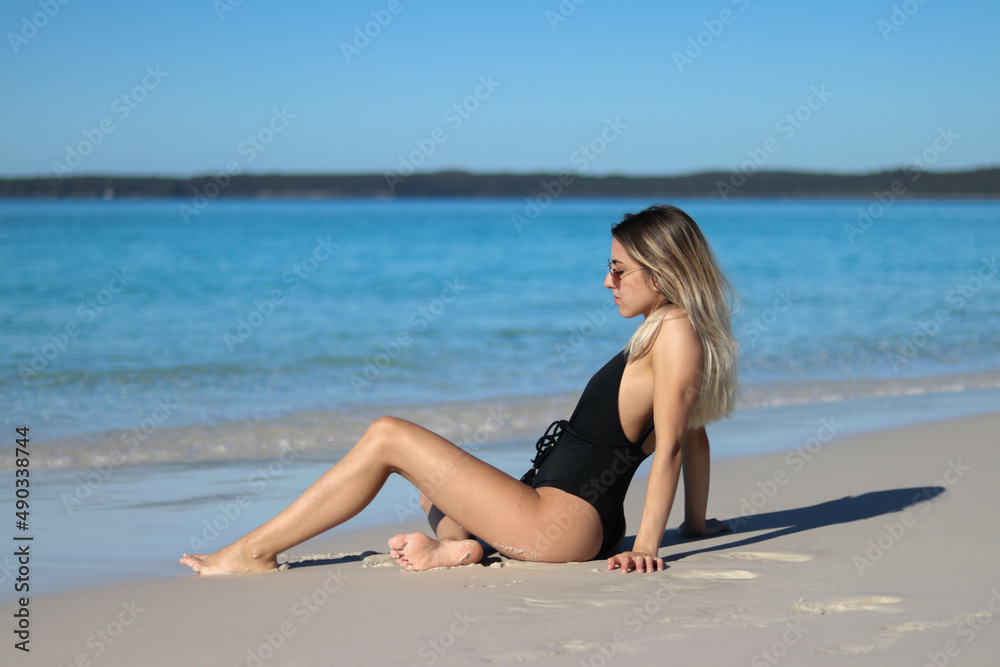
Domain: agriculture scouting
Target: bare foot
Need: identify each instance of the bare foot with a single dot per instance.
(231, 560)
(712, 527)
(416, 551)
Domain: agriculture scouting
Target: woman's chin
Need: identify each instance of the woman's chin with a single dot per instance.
(626, 313)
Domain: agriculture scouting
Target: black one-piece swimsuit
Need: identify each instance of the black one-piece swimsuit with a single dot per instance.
(594, 459)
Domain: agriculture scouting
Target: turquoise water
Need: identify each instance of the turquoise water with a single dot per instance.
(120, 318)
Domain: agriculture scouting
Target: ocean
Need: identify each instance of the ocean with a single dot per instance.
(153, 348)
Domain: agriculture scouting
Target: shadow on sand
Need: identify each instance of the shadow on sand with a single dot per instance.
(788, 522)
(313, 561)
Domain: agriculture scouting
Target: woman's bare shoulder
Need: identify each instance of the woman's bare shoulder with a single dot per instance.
(677, 344)
(677, 329)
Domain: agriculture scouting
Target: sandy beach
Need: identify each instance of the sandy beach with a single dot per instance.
(870, 549)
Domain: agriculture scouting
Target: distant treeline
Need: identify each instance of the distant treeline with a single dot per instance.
(983, 183)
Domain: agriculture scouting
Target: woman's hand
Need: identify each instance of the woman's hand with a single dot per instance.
(641, 561)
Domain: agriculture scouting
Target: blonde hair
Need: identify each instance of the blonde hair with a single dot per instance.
(666, 242)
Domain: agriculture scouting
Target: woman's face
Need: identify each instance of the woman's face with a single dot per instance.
(633, 290)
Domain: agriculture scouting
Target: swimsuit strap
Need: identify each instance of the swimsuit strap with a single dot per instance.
(544, 446)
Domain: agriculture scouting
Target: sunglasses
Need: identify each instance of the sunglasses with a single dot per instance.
(616, 274)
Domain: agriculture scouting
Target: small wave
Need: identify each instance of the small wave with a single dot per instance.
(829, 391)
(318, 434)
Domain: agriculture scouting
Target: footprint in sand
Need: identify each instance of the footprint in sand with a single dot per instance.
(921, 626)
(918, 626)
(880, 603)
(877, 603)
(569, 646)
(891, 632)
(856, 649)
(548, 604)
(709, 574)
(767, 555)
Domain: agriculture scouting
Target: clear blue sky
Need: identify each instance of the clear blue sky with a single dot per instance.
(887, 94)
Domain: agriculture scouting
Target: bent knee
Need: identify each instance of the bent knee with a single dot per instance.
(384, 424)
(386, 429)
(388, 434)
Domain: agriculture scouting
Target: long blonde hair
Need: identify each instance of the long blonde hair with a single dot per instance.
(666, 242)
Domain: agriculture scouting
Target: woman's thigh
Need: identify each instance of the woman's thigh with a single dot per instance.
(521, 522)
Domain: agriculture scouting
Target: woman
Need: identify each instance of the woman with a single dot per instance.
(677, 373)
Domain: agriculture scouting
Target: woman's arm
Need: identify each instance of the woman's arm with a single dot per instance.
(676, 364)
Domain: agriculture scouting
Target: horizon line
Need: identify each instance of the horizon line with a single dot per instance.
(466, 172)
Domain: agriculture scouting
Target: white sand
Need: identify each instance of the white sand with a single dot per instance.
(842, 558)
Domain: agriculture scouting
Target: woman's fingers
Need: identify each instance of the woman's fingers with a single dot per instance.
(640, 562)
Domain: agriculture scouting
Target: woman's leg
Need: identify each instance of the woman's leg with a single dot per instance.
(444, 527)
(519, 521)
